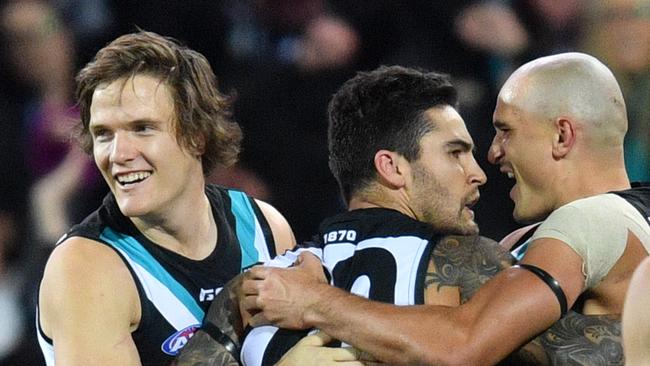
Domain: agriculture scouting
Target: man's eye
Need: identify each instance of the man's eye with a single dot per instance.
(142, 128)
(101, 134)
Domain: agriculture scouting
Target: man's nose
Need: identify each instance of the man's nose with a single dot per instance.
(495, 153)
(123, 148)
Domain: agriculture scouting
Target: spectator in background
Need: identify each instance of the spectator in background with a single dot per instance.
(91, 22)
(41, 51)
(553, 26)
(292, 56)
(43, 173)
(15, 326)
(621, 35)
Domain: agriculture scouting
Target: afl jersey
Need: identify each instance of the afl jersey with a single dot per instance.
(175, 291)
(376, 253)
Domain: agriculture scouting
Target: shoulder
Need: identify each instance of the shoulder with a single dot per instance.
(466, 262)
(470, 245)
(591, 209)
(77, 256)
(83, 274)
(282, 233)
(594, 228)
(602, 216)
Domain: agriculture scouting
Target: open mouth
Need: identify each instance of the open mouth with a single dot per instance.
(509, 173)
(131, 178)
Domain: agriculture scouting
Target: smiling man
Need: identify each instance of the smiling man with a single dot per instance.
(560, 124)
(132, 282)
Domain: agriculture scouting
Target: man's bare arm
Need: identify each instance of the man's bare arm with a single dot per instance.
(580, 339)
(575, 340)
(88, 305)
(203, 349)
(282, 233)
(505, 313)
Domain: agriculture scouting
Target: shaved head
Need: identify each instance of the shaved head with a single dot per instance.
(574, 86)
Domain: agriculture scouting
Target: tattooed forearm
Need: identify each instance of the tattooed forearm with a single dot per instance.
(580, 339)
(466, 262)
(575, 340)
(202, 350)
(224, 313)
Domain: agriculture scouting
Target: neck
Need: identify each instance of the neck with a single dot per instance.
(189, 230)
(380, 200)
(586, 183)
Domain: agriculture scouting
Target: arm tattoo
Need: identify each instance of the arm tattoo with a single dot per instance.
(466, 262)
(580, 339)
(575, 340)
(223, 313)
(202, 350)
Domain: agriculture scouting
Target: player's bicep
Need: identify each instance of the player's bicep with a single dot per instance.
(561, 263)
(506, 312)
(87, 305)
(439, 287)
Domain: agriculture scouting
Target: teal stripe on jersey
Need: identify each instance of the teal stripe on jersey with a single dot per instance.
(520, 251)
(140, 255)
(245, 227)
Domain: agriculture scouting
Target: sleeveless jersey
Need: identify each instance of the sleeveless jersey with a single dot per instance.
(175, 291)
(639, 197)
(376, 253)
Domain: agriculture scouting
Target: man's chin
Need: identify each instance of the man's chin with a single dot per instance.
(471, 228)
(525, 218)
(471, 231)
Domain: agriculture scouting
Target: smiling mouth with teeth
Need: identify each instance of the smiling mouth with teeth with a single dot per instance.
(132, 178)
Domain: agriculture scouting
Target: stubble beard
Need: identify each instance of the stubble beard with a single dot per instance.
(435, 211)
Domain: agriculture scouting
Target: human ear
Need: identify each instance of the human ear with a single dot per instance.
(565, 137)
(390, 167)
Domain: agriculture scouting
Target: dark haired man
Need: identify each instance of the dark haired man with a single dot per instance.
(404, 161)
(132, 282)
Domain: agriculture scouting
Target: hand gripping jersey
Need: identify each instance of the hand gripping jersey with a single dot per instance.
(377, 253)
(175, 291)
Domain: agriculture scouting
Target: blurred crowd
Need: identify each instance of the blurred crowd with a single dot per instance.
(283, 59)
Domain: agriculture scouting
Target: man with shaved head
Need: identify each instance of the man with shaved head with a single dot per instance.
(560, 123)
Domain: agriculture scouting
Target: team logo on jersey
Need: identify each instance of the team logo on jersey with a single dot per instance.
(208, 294)
(178, 340)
